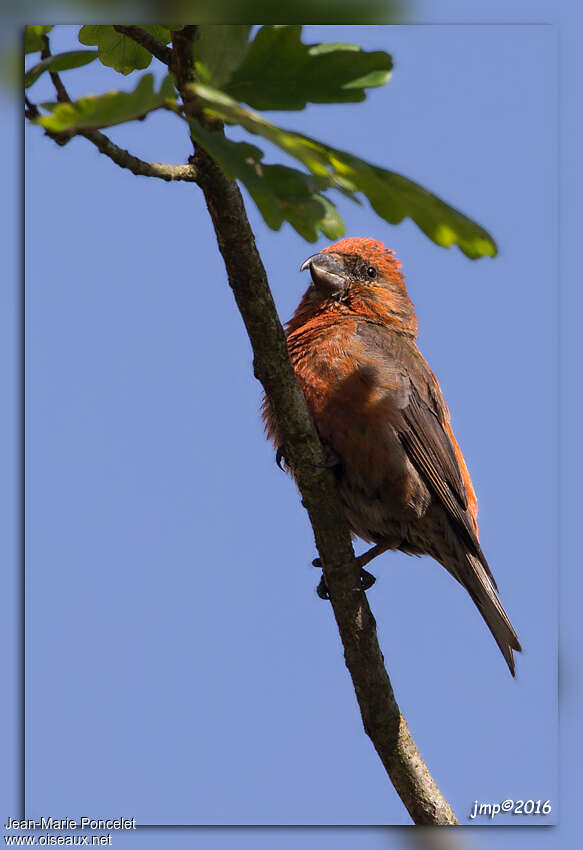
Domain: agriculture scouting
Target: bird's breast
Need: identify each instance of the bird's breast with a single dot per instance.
(355, 411)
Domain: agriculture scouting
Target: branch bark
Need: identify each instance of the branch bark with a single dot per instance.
(382, 719)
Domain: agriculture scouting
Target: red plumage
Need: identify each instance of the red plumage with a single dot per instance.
(381, 416)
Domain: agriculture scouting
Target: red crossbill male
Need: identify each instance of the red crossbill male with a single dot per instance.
(383, 421)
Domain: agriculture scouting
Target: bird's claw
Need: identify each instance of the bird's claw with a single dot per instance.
(279, 457)
(331, 459)
(366, 581)
(322, 589)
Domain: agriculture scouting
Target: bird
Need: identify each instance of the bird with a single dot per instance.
(383, 422)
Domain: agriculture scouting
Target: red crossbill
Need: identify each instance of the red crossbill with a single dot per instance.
(384, 424)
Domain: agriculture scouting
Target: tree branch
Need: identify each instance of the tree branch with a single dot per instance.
(103, 143)
(143, 37)
(382, 720)
(141, 167)
(123, 158)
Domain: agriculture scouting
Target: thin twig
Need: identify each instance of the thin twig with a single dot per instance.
(62, 95)
(31, 110)
(145, 39)
(123, 158)
(103, 143)
(382, 720)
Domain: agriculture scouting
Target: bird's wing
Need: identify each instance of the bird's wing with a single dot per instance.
(422, 425)
(421, 419)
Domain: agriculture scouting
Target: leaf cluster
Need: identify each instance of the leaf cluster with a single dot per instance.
(237, 78)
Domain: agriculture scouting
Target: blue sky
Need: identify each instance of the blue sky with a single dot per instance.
(168, 559)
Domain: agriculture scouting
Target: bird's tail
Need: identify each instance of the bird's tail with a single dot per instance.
(481, 588)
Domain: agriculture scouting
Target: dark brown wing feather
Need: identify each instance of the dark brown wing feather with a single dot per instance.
(422, 431)
(432, 453)
(422, 427)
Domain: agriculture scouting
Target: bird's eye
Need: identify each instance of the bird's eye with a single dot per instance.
(371, 272)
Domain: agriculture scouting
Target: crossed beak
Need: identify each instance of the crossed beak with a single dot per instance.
(327, 273)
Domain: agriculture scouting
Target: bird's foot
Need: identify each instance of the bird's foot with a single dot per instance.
(322, 589)
(366, 581)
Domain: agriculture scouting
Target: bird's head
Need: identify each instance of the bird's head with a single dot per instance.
(358, 276)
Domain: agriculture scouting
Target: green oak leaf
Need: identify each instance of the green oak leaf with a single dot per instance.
(161, 33)
(117, 50)
(393, 196)
(279, 71)
(32, 37)
(105, 110)
(218, 50)
(59, 62)
(281, 193)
